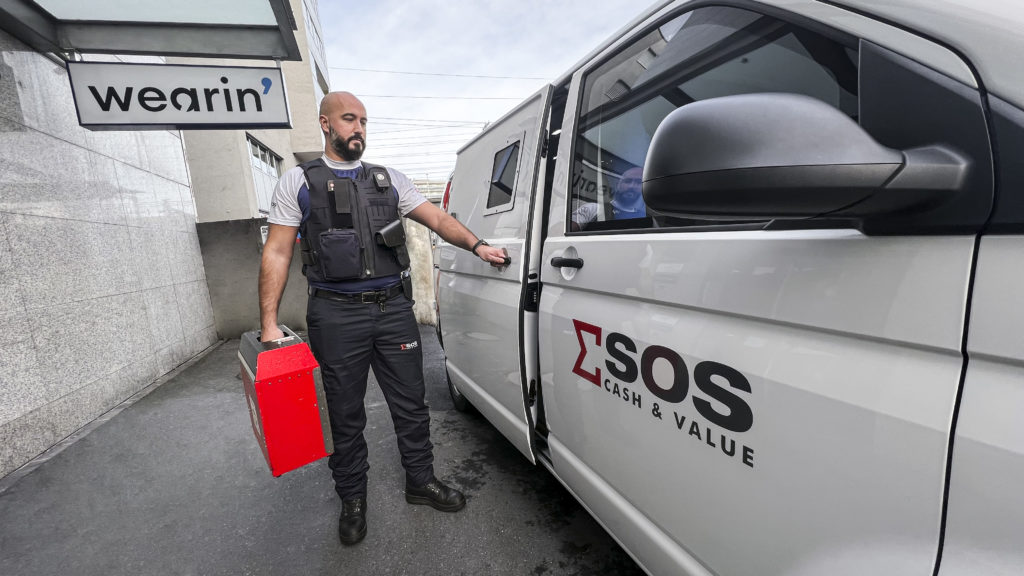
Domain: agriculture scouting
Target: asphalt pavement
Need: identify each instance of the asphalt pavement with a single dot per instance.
(173, 482)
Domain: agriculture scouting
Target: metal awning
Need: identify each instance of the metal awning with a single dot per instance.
(248, 29)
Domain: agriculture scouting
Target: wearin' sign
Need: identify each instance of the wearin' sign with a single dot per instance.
(161, 96)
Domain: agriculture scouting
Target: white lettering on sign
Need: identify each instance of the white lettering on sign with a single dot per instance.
(140, 96)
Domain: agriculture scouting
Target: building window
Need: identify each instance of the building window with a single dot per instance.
(266, 171)
(313, 35)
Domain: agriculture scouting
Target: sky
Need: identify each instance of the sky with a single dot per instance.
(529, 43)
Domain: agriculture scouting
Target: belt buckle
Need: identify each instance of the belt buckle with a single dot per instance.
(372, 297)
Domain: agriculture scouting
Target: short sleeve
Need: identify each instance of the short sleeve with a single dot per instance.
(284, 205)
(585, 214)
(409, 196)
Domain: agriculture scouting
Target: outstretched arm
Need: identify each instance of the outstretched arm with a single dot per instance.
(454, 232)
(277, 257)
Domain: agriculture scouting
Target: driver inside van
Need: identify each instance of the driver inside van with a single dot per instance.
(627, 202)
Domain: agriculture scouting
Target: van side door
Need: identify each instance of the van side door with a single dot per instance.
(480, 306)
(760, 396)
(985, 522)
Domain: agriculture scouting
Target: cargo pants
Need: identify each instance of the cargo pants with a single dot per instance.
(348, 338)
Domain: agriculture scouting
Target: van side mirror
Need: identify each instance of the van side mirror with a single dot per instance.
(786, 156)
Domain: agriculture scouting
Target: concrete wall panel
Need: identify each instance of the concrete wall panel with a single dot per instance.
(102, 287)
(83, 186)
(61, 260)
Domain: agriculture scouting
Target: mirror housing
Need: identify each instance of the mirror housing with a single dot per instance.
(786, 156)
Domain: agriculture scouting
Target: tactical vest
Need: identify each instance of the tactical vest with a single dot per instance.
(354, 231)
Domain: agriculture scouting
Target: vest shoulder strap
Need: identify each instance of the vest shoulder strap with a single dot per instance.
(379, 175)
(317, 174)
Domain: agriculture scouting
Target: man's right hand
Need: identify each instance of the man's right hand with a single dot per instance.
(271, 333)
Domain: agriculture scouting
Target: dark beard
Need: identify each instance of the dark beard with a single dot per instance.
(342, 146)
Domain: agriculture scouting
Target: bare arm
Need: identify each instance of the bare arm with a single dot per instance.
(453, 231)
(277, 257)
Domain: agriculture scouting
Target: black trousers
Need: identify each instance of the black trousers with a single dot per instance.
(348, 338)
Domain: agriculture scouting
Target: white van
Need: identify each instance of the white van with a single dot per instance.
(802, 353)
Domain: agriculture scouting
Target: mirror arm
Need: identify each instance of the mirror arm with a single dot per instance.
(930, 176)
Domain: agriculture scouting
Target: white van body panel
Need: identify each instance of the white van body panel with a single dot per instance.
(848, 351)
(913, 46)
(654, 550)
(853, 362)
(986, 32)
(985, 528)
(480, 304)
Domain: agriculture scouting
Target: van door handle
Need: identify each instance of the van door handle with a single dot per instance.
(505, 262)
(559, 262)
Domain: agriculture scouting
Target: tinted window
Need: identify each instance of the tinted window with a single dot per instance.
(503, 176)
(706, 53)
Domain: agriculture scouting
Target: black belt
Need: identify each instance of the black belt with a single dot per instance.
(371, 297)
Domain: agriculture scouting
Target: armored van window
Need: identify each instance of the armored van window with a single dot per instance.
(705, 53)
(503, 178)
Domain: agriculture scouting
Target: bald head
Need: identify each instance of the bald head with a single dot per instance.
(333, 100)
(343, 121)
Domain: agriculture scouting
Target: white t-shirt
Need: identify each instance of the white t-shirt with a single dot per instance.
(286, 211)
(585, 214)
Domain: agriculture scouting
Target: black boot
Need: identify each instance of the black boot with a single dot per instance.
(436, 495)
(352, 524)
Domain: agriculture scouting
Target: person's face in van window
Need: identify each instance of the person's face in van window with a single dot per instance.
(343, 120)
(628, 192)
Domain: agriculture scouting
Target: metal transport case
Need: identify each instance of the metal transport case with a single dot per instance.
(286, 399)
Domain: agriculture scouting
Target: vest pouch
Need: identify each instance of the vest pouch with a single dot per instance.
(341, 255)
(402, 256)
(306, 252)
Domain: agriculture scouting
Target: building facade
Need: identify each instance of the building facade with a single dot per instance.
(234, 174)
(102, 285)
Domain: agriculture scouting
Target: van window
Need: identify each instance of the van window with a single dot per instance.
(705, 53)
(503, 177)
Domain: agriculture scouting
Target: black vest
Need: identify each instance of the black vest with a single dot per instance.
(340, 239)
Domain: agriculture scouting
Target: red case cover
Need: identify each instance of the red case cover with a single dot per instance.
(287, 407)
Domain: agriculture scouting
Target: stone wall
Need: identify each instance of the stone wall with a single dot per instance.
(102, 287)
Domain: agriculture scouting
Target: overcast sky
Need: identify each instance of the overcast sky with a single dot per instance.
(531, 41)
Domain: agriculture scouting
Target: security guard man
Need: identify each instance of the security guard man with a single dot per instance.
(359, 312)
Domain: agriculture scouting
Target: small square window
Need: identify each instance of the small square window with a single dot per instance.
(503, 176)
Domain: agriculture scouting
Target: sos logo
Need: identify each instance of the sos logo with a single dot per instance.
(714, 381)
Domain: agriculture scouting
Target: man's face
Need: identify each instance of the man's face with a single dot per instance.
(346, 128)
(630, 186)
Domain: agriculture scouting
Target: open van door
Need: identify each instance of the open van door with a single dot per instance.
(480, 307)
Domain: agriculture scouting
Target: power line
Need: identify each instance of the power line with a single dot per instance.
(424, 125)
(443, 97)
(400, 133)
(437, 74)
(423, 166)
(423, 142)
(429, 119)
(411, 157)
(445, 169)
(401, 154)
(439, 173)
